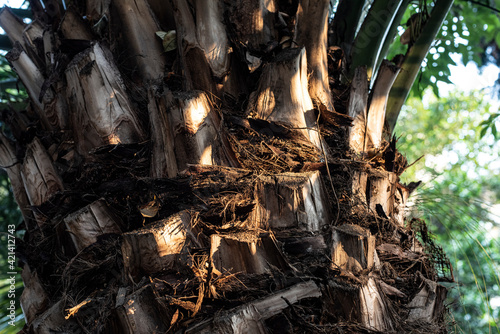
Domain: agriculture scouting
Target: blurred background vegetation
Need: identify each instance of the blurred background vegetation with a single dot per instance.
(459, 197)
(454, 130)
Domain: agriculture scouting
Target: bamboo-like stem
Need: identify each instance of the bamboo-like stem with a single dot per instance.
(413, 60)
(373, 31)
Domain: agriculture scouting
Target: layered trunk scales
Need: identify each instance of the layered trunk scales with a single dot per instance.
(218, 186)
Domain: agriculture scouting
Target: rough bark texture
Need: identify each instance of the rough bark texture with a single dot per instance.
(34, 299)
(358, 104)
(11, 164)
(353, 249)
(282, 95)
(312, 32)
(216, 187)
(376, 114)
(248, 318)
(101, 110)
(138, 26)
(87, 224)
(41, 180)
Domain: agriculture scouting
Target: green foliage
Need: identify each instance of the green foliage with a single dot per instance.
(457, 197)
(9, 215)
(420, 40)
(12, 92)
(470, 30)
(431, 123)
(490, 123)
(6, 326)
(169, 39)
(448, 131)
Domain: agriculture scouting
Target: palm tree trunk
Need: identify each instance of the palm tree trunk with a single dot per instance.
(212, 185)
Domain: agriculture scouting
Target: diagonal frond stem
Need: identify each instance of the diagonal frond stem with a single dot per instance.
(371, 35)
(413, 60)
(392, 33)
